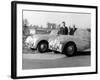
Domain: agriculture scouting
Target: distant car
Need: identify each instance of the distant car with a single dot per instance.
(70, 44)
(40, 41)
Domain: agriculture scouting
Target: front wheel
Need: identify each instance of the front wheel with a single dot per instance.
(70, 49)
(42, 47)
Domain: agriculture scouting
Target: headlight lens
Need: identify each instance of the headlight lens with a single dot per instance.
(30, 41)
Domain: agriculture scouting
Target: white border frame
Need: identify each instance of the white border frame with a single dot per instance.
(36, 72)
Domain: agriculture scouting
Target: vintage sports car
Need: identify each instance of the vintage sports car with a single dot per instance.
(70, 44)
(40, 41)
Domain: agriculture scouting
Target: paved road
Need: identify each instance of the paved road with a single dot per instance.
(75, 61)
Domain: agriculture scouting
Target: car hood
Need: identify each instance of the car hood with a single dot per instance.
(40, 35)
(60, 38)
(32, 38)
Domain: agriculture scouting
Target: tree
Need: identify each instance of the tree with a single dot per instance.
(25, 29)
(25, 22)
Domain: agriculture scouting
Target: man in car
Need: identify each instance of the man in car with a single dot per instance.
(72, 30)
(63, 29)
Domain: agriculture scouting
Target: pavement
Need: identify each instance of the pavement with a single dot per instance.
(40, 56)
(51, 60)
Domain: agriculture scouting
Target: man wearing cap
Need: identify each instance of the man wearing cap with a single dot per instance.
(63, 29)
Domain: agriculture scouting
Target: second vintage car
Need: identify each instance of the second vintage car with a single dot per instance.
(40, 41)
(70, 44)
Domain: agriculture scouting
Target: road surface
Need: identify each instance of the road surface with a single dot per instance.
(75, 61)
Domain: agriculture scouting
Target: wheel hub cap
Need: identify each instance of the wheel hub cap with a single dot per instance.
(70, 49)
(43, 47)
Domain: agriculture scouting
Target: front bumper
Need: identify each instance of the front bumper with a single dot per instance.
(29, 45)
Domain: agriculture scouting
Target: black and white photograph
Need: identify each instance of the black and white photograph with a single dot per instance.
(53, 37)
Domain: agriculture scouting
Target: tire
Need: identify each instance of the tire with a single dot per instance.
(42, 47)
(32, 49)
(70, 49)
(56, 52)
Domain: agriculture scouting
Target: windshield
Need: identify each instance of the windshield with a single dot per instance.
(39, 31)
(54, 32)
(43, 31)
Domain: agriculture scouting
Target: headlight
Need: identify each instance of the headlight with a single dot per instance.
(30, 41)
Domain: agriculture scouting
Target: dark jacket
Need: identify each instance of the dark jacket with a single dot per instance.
(63, 31)
(66, 30)
(72, 31)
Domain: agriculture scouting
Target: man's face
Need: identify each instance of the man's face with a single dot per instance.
(63, 23)
(62, 26)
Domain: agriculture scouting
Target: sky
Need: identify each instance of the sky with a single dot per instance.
(81, 20)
